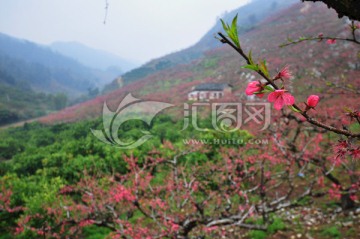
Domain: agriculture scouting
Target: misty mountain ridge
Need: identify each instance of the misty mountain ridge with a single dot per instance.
(58, 72)
(42, 69)
(93, 58)
(35, 80)
(249, 16)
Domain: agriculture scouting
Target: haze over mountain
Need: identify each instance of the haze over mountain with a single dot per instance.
(35, 80)
(93, 58)
(42, 69)
(248, 16)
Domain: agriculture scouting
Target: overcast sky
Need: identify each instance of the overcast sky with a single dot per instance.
(135, 29)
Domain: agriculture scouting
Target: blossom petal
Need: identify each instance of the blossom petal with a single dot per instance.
(272, 96)
(285, 73)
(253, 87)
(250, 91)
(288, 99)
(279, 103)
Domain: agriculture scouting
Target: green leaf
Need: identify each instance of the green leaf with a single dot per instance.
(263, 68)
(294, 109)
(234, 23)
(232, 31)
(269, 88)
(234, 26)
(251, 67)
(266, 91)
(250, 58)
(224, 25)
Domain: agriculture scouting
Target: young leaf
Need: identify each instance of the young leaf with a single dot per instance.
(234, 32)
(224, 26)
(250, 58)
(269, 88)
(251, 67)
(234, 24)
(263, 68)
(294, 109)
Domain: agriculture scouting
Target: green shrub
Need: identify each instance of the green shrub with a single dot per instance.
(332, 232)
(94, 232)
(277, 225)
(255, 234)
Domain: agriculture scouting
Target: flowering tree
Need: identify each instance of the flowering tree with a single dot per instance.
(278, 94)
(166, 194)
(164, 197)
(346, 151)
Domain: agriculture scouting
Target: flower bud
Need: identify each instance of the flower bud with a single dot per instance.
(254, 87)
(312, 101)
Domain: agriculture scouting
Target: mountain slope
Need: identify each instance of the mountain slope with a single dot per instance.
(42, 69)
(35, 81)
(248, 16)
(93, 58)
(312, 63)
(19, 102)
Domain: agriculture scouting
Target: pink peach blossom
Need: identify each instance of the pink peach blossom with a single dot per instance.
(281, 98)
(285, 73)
